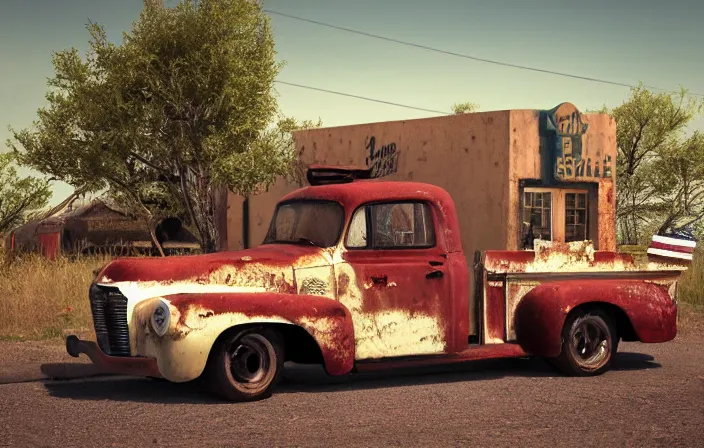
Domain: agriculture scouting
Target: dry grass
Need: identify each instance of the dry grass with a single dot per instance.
(691, 286)
(39, 299)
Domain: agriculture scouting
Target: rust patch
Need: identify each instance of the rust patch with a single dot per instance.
(343, 281)
(495, 314)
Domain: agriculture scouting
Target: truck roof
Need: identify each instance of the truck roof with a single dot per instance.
(362, 191)
(353, 186)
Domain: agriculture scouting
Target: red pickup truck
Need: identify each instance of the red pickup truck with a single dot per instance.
(359, 275)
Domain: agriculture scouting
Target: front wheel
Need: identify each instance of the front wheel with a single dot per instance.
(589, 341)
(245, 366)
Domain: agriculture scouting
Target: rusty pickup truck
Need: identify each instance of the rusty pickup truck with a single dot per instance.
(359, 275)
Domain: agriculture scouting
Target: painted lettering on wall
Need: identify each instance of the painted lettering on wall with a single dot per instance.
(572, 160)
(567, 167)
(381, 161)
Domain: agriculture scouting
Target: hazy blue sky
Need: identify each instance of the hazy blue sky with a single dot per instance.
(659, 43)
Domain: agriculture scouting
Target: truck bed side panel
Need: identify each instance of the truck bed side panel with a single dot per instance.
(541, 313)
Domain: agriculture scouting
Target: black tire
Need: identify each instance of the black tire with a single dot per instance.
(246, 365)
(589, 343)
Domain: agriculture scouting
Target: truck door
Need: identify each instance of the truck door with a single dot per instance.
(399, 281)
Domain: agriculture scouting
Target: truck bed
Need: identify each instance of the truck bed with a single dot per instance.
(507, 276)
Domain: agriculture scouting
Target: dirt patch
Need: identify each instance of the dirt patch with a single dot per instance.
(690, 320)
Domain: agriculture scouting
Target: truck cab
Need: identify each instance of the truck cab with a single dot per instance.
(359, 275)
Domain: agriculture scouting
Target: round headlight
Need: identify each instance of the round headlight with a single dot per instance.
(161, 318)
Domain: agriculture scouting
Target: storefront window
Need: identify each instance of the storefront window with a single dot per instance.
(575, 217)
(537, 217)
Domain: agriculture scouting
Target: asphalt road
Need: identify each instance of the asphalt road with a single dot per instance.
(653, 397)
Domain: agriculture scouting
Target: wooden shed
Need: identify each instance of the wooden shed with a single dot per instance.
(96, 227)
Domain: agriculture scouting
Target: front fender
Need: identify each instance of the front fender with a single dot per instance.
(198, 319)
(541, 314)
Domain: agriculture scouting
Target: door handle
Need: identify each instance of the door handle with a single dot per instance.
(379, 280)
(435, 263)
(434, 274)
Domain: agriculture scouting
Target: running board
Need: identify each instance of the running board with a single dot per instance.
(488, 351)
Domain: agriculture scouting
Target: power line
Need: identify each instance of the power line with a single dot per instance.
(474, 58)
(362, 98)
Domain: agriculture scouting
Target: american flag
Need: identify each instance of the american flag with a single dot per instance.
(674, 245)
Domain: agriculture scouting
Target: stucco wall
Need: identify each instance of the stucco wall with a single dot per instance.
(465, 154)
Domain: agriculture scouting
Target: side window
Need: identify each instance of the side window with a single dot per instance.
(357, 234)
(402, 225)
(393, 226)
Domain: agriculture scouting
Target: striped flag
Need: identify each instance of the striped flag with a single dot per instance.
(675, 246)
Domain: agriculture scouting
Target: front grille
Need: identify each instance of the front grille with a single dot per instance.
(109, 309)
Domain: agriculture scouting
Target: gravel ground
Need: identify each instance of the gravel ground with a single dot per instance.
(654, 396)
(37, 360)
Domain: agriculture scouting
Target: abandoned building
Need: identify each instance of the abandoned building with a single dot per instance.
(97, 228)
(515, 175)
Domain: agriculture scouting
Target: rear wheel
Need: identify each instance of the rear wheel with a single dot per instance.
(589, 342)
(245, 366)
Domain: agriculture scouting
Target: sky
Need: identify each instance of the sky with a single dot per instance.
(658, 43)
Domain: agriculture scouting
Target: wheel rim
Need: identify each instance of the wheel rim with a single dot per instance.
(590, 343)
(249, 362)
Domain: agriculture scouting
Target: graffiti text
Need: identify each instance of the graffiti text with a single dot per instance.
(383, 161)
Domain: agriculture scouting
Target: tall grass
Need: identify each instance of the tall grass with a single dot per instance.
(691, 286)
(39, 299)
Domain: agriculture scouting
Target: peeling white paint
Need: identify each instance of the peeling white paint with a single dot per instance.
(396, 333)
(388, 333)
(322, 328)
(183, 357)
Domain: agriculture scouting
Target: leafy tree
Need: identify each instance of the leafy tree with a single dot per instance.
(464, 108)
(19, 197)
(182, 108)
(677, 178)
(658, 171)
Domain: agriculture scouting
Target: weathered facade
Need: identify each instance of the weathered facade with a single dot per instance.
(515, 175)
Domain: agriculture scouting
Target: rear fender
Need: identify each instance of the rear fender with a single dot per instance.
(541, 314)
(197, 320)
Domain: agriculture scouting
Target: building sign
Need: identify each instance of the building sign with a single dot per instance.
(381, 161)
(572, 160)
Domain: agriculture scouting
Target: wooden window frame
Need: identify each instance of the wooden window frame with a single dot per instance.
(557, 209)
(552, 206)
(563, 210)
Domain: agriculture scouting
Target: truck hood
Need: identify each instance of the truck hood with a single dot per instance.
(264, 268)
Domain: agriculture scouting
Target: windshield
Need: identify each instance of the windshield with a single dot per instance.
(317, 223)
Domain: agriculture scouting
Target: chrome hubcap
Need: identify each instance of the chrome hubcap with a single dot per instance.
(590, 343)
(249, 360)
